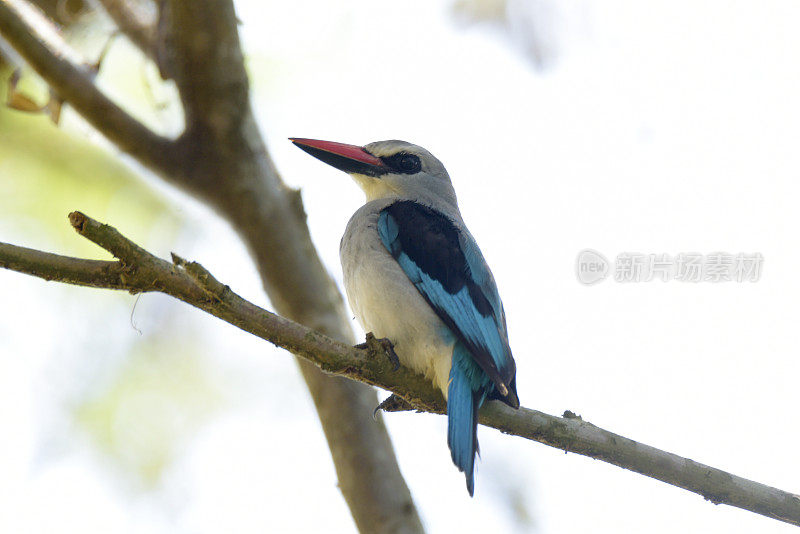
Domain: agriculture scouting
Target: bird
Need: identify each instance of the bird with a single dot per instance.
(415, 276)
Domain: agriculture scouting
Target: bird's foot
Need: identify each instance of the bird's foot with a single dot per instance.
(393, 403)
(377, 346)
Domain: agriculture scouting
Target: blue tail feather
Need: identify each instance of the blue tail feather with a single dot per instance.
(465, 395)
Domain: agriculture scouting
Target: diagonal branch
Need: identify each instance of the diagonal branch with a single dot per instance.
(38, 42)
(139, 271)
(225, 163)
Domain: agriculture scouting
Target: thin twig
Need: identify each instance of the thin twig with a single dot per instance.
(139, 271)
(133, 23)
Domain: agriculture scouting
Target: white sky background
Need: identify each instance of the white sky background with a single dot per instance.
(660, 127)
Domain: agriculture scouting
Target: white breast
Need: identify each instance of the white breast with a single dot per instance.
(387, 304)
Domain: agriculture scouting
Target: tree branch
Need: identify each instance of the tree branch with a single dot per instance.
(225, 162)
(139, 271)
(206, 61)
(38, 42)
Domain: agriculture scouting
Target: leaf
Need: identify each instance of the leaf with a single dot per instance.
(16, 99)
(21, 102)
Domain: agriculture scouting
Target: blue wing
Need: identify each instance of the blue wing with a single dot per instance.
(448, 269)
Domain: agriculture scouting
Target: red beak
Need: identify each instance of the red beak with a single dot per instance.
(348, 158)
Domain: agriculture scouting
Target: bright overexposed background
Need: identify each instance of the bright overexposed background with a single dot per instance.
(651, 127)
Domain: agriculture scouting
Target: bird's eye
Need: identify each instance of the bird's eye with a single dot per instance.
(405, 163)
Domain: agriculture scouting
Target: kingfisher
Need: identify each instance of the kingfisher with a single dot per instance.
(414, 275)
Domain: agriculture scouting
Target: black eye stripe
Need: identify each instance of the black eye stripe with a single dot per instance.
(403, 162)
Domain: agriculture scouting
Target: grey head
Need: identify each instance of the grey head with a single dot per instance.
(390, 170)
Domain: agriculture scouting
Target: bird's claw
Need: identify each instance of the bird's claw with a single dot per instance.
(382, 345)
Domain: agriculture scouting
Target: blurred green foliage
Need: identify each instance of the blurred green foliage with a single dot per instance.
(151, 407)
(46, 172)
(145, 410)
